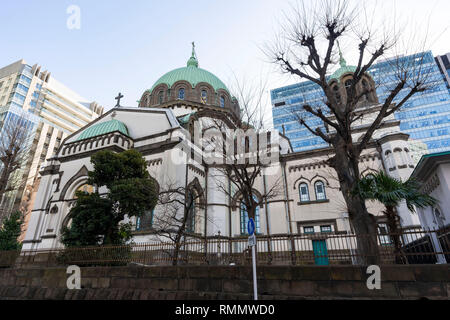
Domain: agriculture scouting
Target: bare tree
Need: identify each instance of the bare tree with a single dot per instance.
(308, 50)
(178, 210)
(15, 138)
(248, 150)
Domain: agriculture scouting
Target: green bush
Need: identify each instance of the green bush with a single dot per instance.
(10, 232)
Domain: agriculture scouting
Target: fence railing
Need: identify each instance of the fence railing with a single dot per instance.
(410, 247)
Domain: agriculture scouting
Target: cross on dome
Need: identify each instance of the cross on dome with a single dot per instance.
(193, 62)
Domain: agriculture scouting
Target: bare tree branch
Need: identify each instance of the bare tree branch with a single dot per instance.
(15, 142)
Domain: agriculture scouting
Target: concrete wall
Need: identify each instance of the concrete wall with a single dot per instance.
(126, 283)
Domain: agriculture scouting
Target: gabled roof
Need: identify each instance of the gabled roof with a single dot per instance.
(428, 163)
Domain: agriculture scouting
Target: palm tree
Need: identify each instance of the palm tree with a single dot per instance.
(391, 192)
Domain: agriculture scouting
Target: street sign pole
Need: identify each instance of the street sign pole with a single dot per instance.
(255, 281)
(252, 245)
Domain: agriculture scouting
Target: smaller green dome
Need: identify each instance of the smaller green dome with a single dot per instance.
(341, 71)
(103, 128)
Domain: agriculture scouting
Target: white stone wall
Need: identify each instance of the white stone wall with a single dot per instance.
(439, 185)
(283, 213)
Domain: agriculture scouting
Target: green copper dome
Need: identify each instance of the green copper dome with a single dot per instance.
(103, 128)
(192, 74)
(343, 69)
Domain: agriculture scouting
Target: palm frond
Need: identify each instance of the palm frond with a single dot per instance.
(391, 191)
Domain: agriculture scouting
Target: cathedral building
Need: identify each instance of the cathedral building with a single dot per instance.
(308, 201)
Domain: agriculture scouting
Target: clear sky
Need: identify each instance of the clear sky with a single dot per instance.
(127, 45)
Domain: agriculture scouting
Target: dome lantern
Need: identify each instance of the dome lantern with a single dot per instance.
(193, 62)
(344, 69)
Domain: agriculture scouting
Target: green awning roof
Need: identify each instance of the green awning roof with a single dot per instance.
(103, 128)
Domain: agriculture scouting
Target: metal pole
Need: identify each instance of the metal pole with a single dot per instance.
(255, 284)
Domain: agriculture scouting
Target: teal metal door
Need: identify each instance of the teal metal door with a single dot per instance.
(320, 252)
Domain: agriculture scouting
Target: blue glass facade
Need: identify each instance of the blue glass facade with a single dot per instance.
(11, 116)
(425, 117)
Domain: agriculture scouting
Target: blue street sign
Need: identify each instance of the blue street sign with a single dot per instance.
(251, 227)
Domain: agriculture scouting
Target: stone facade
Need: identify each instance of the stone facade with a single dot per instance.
(226, 283)
(162, 95)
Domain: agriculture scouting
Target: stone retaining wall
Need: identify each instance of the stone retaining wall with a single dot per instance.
(226, 283)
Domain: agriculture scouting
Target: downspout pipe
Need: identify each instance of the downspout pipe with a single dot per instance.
(286, 194)
(266, 204)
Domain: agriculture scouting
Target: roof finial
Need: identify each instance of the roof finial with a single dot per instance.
(342, 61)
(193, 62)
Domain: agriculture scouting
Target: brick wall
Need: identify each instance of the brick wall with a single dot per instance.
(346, 282)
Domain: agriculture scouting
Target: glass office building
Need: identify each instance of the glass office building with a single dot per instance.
(443, 63)
(54, 112)
(11, 117)
(425, 117)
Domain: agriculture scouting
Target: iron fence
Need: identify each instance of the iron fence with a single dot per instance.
(409, 247)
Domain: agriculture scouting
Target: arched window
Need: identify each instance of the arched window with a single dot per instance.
(366, 89)
(337, 94)
(145, 222)
(85, 188)
(222, 102)
(181, 94)
(190, 222)
(161, 97)
(203, 97)
(304, 192)
(370, 175)
(244, 219)
(439, 218)
(319, 186)
(348, 84)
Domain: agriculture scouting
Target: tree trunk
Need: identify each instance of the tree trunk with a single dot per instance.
(400, 257)
(346, 165)
(176, 251)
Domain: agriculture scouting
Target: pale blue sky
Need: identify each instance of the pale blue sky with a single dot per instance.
(127, 45)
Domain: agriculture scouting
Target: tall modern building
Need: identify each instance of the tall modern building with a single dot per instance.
(443, 63)
(54, 112)
(425, 117)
